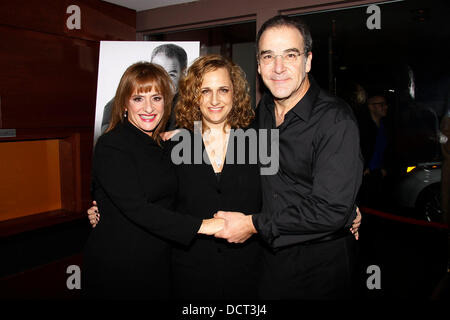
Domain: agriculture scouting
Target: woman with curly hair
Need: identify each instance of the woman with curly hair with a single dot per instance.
(214, 94)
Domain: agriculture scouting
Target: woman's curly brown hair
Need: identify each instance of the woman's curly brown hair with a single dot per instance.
(187, 109)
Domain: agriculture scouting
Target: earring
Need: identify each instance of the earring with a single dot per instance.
(125, 113)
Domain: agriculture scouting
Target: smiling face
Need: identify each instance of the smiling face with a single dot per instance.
(145, 110)
(216, 97)
(171, 65)
(287, 81)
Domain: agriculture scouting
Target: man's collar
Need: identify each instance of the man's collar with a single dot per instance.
(304, 107)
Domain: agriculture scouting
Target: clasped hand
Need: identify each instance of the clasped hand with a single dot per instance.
(235, 227)
(238, 227)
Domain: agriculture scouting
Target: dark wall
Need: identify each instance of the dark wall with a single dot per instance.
(48, 83)
(49, 73)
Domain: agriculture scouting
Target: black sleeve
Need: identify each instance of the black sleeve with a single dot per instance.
(337, 175)
(115, 171)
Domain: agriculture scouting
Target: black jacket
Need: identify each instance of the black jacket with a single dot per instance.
(212, 268)
(134, 183)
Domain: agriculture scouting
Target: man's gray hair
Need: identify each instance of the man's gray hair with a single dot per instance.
(285, 21)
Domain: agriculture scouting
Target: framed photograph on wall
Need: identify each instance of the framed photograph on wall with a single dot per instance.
(116, 56)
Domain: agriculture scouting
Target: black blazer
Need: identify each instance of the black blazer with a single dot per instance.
(134, 184)
(212, 268)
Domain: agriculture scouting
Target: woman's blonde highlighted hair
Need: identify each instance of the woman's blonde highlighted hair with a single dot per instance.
(188, 105)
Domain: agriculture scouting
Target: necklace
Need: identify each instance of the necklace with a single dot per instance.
(216, 142)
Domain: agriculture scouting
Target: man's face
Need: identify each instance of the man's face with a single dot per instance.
(284, 79)
(378, 106)
(171, 65)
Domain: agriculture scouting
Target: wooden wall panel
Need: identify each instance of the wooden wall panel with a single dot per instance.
(43, 16)
(99, 20)
(69, 150)
(48, 83)
(49, 73)
(99, 24)
(72, 165)
(46, 80)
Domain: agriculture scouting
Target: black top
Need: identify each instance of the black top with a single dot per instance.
(134, 183)
(212, 268)
(313, 193)
(368, 135)
(368, 131)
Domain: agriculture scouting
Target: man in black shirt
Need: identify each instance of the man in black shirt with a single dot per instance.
(308, 205)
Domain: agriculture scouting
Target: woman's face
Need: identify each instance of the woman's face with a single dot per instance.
(145, 110)
(217, 97)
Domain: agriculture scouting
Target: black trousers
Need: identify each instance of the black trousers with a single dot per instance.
(320, 271)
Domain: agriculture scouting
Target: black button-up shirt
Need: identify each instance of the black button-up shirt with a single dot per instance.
(320, 170)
